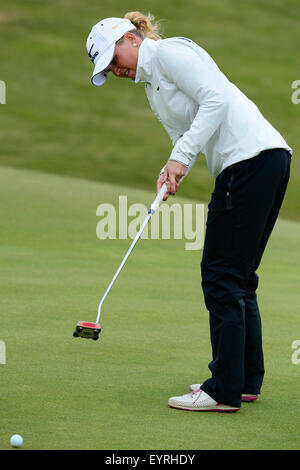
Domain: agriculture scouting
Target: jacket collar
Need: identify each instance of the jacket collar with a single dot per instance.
(144, 66)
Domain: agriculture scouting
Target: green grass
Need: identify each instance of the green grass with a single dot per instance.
(66, 393)
(56, 121)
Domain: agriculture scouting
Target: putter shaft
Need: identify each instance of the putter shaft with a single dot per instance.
(151, 211)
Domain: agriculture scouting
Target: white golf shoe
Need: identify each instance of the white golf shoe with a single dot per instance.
(246, 397)
(198, 400)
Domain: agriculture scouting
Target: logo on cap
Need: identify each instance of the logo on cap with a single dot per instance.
(93, 57)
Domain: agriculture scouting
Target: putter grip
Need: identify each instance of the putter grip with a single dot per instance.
(158, 199)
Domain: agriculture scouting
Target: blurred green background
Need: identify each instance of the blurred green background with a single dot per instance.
(56, 121)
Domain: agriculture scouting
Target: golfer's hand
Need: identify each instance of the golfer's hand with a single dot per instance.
(172, 174)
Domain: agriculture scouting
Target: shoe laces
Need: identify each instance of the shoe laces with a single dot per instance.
(196, 392)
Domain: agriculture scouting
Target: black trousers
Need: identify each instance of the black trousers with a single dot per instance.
(241, 215)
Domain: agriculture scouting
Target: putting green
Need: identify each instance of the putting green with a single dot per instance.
(59, 392)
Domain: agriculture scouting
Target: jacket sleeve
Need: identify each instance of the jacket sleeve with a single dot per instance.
(191, 73)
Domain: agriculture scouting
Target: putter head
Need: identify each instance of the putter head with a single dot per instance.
(87, 330)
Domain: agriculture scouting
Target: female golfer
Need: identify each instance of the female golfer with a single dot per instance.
(203, 112)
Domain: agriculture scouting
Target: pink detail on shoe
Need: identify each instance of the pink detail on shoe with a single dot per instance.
(248, 398)
(198, 391)
(218, 408)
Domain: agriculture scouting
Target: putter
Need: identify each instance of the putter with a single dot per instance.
(90, 330)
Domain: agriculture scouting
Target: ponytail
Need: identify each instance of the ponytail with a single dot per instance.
(145, 25)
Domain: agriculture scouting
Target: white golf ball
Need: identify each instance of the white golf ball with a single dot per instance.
(16, 440)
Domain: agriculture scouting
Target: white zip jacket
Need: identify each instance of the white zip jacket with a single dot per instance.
(201, 110)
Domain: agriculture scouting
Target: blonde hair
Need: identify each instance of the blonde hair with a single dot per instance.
(146, 26)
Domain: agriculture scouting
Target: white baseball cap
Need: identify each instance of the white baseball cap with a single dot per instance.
(101, 44)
